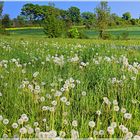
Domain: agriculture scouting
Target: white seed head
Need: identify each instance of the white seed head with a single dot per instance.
(4, 136)
(42, 99)
(74, 123)
(63, 99)
(101, 132)
(91, 124)
(20, 121)
(52, 134)
(115, 102)
(15, 125)
(110, 130)
(54, 103)
(127, 116)
(36, 124)
(37, 129)
(23, 130)
(62, 134)
(5, 121)
(95, 132)
(123, 110)
(1, 118)
(114, 124)
(30, 130)
(136, 137)
(84, 93)
(125, 130)
(116, 108)
(98, 112)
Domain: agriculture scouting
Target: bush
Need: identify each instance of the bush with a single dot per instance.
(53, 27)
(73, 33)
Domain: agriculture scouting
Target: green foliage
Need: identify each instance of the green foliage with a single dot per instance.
(133, 21)
(115, 20)
(126, 16)
(102, 17)
(74, 14)
(73, 33)
(53, 27)
(1, 8)
(19, 21)
(88, 19)
(30, 11)
(6, 22)
(36, 12)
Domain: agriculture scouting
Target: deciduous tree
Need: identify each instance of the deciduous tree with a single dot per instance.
(102, 17)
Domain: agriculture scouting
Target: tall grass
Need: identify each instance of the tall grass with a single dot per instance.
(69, 89)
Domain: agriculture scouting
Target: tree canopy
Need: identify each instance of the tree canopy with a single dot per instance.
(102, 17)
(1, 7)
(126, 16)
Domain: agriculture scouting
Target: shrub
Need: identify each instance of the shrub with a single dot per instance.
(53, 27)
(73, 33)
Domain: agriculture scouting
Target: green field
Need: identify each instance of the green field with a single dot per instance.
(69, 88)
(133, 32)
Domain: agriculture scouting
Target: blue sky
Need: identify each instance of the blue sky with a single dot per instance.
(14, 8)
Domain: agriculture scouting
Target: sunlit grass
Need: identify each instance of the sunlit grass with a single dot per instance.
(69, 88)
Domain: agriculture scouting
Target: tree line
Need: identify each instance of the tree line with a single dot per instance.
(56, 21)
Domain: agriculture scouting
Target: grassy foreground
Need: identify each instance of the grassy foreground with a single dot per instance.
(69, 88)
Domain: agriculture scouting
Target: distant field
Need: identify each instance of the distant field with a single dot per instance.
(26, 31)
(133, 32)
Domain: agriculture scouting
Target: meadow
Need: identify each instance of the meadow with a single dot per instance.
(69, 88)
(132, 31)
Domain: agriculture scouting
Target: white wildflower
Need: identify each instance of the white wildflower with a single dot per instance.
(91, 124)
(74, 123)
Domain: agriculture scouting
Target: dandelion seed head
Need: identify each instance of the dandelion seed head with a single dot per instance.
(114, 124)
(110, 130)
(15, 125)
(116, 108)
(123, 110)
(84, 93)
(74, 123)
(1, 117)
(101, 132)
(127, 116)
(30, 130)
(23, 130)
(5, 121)
(91, 124)
(95, 132)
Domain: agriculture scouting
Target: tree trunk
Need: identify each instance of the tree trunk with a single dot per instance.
(101, 33)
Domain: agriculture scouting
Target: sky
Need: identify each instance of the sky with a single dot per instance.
(14, 8)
